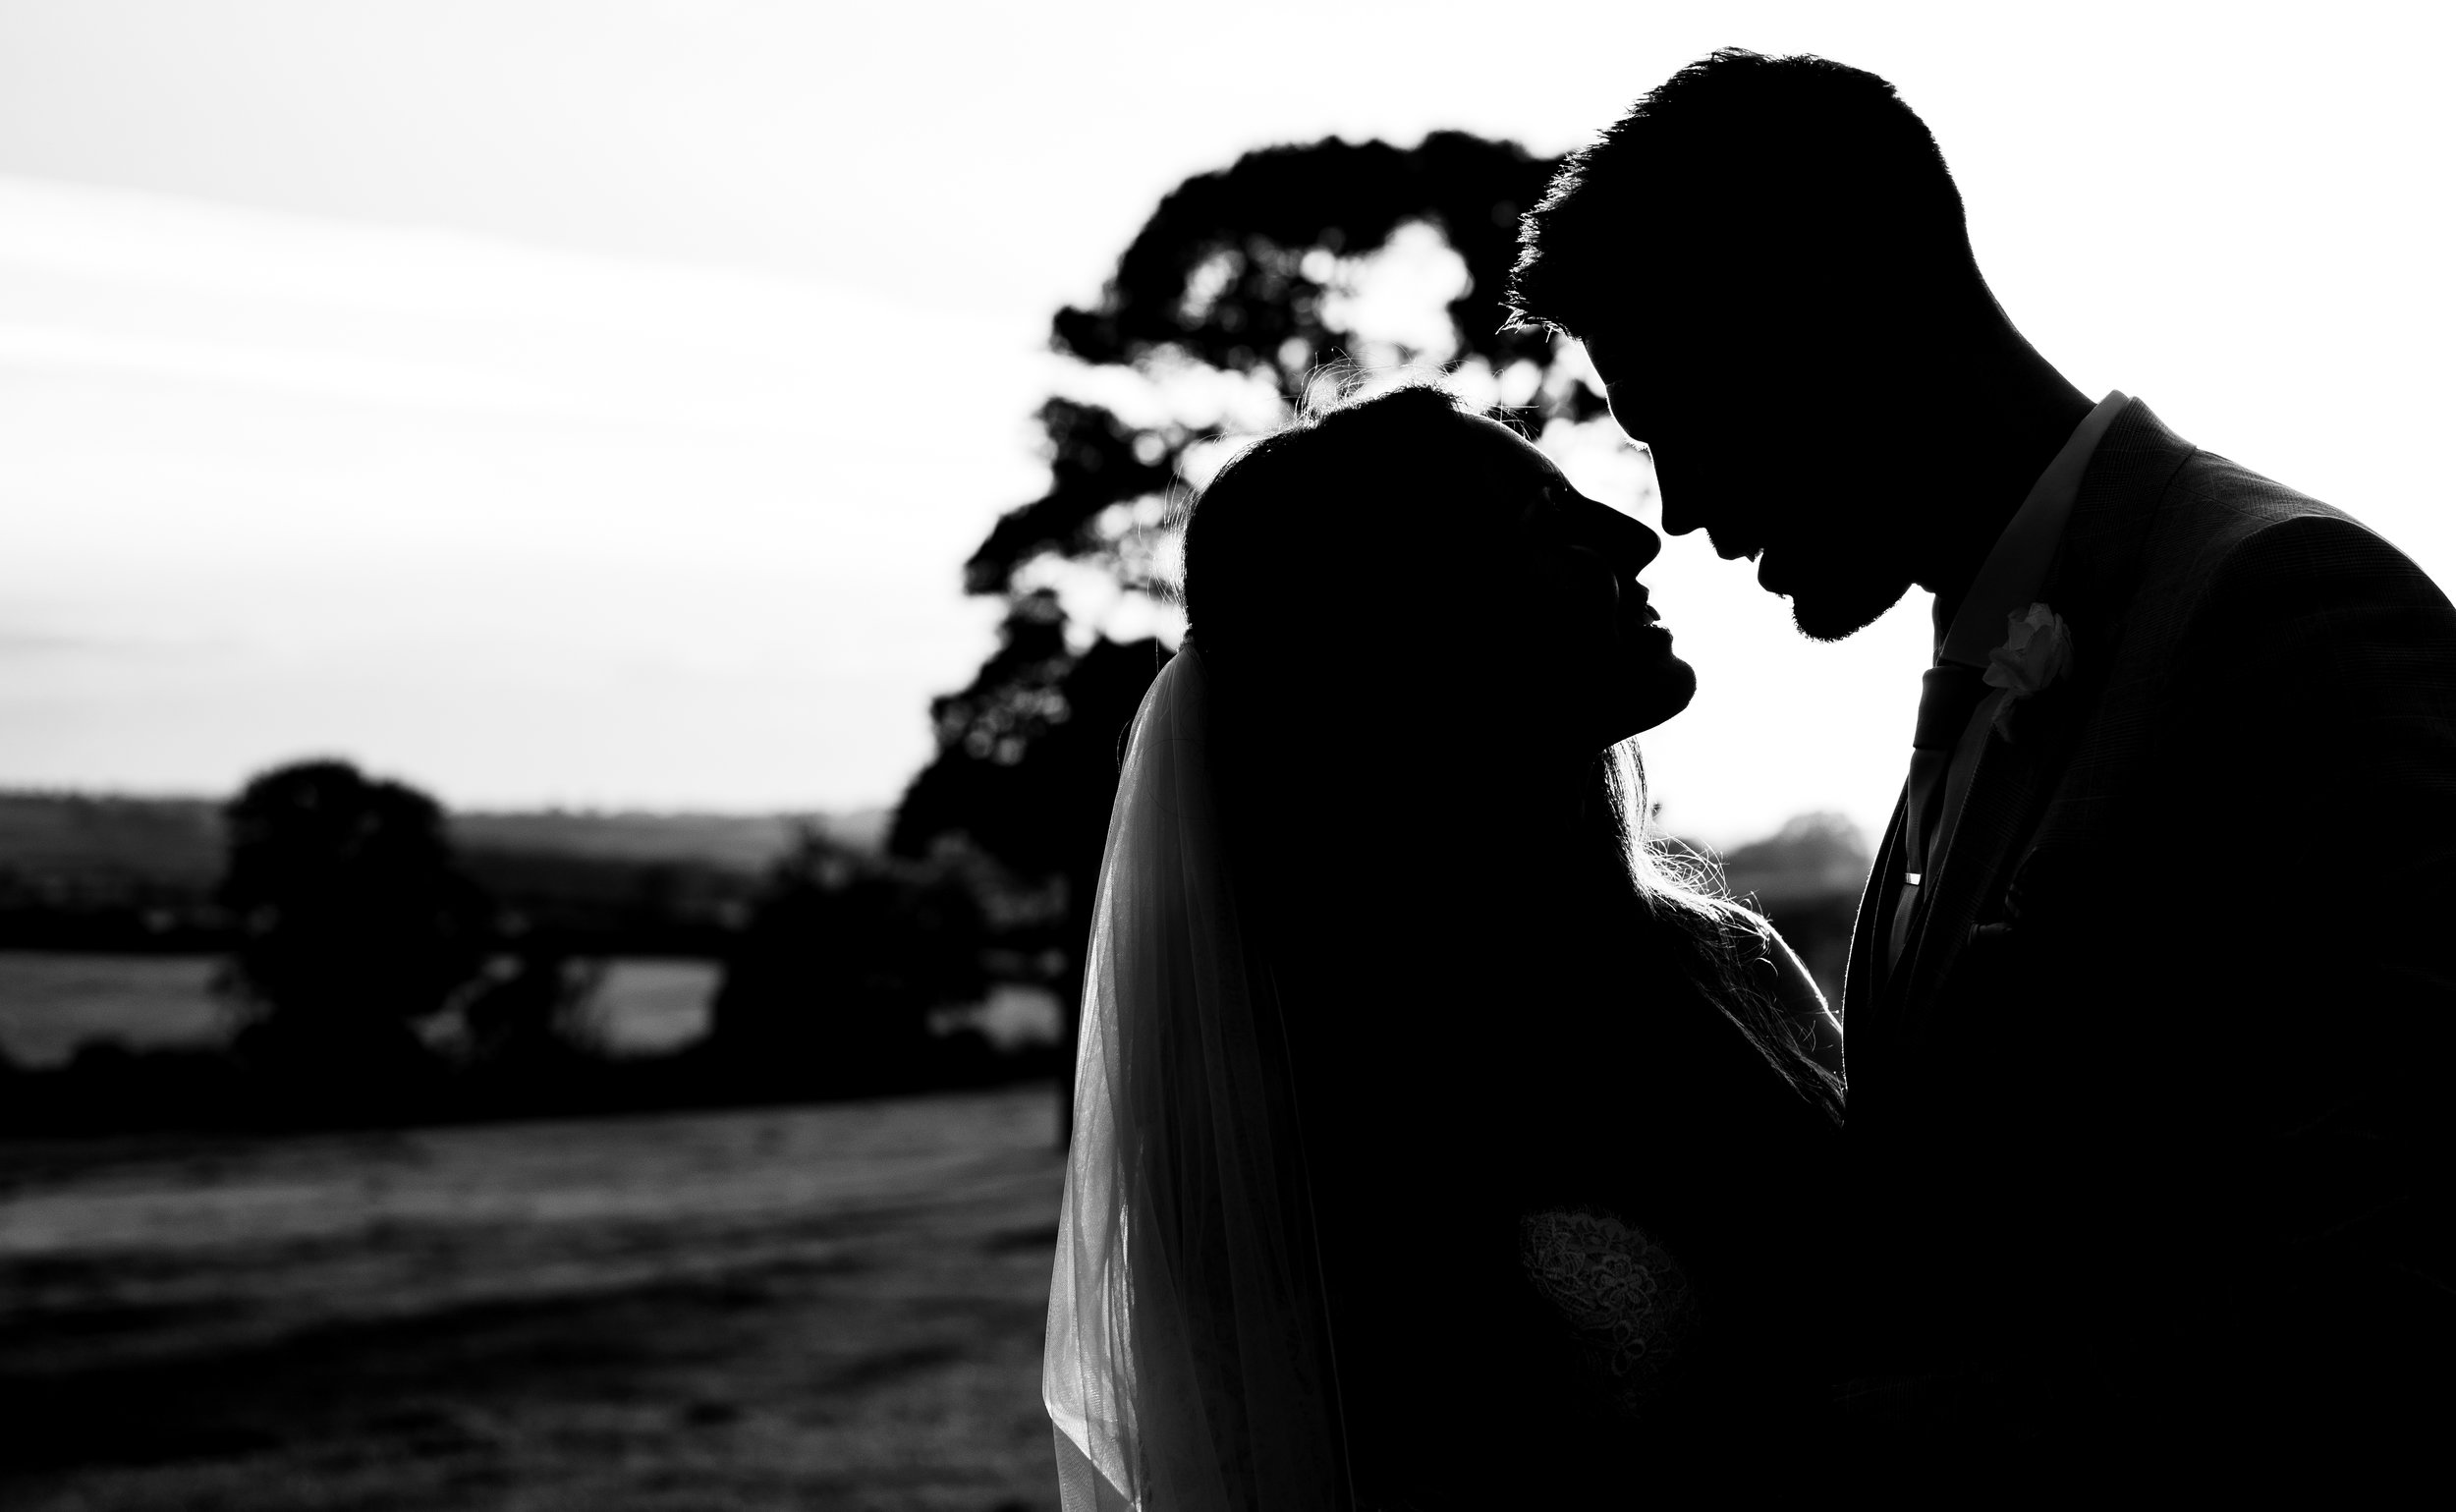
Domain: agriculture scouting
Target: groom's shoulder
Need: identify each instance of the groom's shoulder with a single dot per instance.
(2228, 525)
(2225, 505)
(2237, 572)
(2180, 513)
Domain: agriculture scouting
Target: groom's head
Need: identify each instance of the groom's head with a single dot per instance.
(1767, 264)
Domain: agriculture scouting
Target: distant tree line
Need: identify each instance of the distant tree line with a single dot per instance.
(374, 979)
(80, 872)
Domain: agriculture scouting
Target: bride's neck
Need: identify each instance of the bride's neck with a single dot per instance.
(1526, 822)
(1470, 825)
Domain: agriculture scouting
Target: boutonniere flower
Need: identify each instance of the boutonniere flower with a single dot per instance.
(2037, 654)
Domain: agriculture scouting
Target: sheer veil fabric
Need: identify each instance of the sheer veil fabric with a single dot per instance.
(1189, 1364)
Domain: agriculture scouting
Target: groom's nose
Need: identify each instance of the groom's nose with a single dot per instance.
(1677, 520)
(1730, 542)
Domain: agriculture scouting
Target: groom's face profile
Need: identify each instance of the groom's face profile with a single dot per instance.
(1755, 446)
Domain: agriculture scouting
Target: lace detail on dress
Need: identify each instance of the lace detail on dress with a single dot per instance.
(1623, 1294)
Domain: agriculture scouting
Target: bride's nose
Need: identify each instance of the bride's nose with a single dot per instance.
(1632, 542)
(1621, 539)
(1650, 545)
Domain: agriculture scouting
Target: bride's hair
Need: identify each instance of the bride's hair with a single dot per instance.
(1486, 1012)
(1299, 561)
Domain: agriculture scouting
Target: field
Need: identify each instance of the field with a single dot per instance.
(834, 1307)
(181, 841)
(51, 1000)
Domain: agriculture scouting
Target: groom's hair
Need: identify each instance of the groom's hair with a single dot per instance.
(1743, 172)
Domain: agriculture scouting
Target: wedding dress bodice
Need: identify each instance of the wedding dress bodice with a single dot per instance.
(1623, 1297)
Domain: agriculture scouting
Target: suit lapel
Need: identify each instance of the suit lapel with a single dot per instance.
(2091, 583)
(1864, 972)
(2005, 793)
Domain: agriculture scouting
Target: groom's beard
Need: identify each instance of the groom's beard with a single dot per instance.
(1840, 609)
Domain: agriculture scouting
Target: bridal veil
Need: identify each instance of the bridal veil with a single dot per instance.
(1189, 1358)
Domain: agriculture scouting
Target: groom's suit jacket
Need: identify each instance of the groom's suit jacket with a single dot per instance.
(2153, 1113)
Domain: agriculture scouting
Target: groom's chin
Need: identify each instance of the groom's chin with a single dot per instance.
(1838, 611)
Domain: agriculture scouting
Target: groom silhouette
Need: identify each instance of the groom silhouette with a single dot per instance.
(2149, 1025)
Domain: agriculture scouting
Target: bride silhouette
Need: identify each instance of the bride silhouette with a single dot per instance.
(1441, 1139)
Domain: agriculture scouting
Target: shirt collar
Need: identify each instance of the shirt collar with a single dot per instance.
(2007, 582)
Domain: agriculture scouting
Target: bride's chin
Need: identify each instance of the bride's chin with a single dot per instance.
(1664, 689)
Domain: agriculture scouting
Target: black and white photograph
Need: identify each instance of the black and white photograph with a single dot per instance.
(765, 755)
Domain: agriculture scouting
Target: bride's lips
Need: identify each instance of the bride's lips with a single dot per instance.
(1642, 612)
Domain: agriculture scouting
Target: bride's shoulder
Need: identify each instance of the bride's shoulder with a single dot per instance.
(1759, 963)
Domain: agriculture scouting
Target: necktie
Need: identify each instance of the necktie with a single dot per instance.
(1948, 696)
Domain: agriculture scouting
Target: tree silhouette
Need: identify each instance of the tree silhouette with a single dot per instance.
(1027, 764)
(1226, 305)
(354, 923)
(1026, 754)
(1248, 274)
(830, 984)
(531, 1019)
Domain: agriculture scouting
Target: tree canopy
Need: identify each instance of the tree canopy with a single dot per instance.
(354, 916)
(1226, 306)
(830, 984)
(1246, 289)
(1253, 275)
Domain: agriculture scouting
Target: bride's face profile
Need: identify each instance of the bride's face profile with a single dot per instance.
(1570, 610)
(1520, 616)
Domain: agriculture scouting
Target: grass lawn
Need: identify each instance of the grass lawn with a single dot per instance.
(833, 1307)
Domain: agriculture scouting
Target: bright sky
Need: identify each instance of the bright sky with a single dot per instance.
(592, 401)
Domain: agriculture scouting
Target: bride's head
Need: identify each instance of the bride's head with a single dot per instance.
(1402, 560)
(1407, 612)
(1427, 654)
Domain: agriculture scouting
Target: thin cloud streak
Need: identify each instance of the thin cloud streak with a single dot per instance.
(457, 482)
